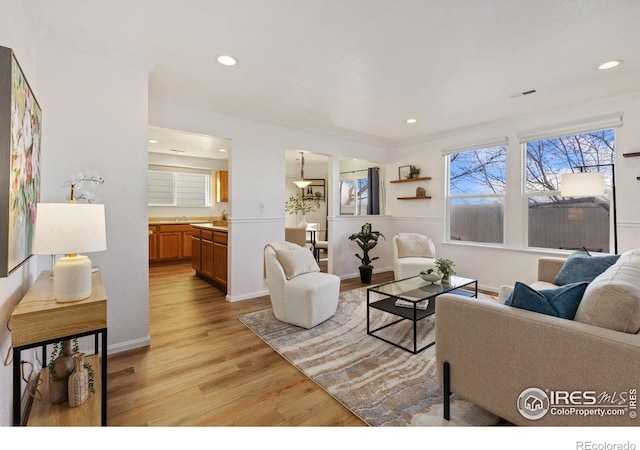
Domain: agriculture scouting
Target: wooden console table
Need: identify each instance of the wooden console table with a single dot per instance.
(39, 320)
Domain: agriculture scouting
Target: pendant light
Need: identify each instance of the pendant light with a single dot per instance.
(301, 183)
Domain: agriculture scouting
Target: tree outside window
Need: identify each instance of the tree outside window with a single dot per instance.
(477, 183)
(354, 196)
(565, 222)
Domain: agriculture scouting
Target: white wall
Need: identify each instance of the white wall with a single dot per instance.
(15, 34)
(512, 262)
(95, 119)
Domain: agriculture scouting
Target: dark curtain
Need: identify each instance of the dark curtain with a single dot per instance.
(373, 205)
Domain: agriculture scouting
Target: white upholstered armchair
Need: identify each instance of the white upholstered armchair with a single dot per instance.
(412, 253)
(300, 294)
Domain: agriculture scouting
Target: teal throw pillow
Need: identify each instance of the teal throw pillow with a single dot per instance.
(580, 266)
(559, 302)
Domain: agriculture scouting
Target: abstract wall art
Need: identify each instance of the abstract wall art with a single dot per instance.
(20, 140)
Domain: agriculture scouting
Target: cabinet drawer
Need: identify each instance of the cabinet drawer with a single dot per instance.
(219, 237)
(207, 234)
(195, 232)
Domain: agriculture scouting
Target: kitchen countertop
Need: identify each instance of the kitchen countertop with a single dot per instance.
(210, 226)
(169, 220)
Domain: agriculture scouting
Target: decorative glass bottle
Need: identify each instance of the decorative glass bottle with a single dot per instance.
(59, 371)
(78, 382)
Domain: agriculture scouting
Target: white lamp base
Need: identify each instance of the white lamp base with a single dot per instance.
(72, 278)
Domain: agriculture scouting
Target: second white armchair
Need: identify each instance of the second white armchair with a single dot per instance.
(412, 253)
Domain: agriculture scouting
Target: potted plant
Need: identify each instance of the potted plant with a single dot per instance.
(366, 240)
(300, 203)
(445, 267)
(414, 171)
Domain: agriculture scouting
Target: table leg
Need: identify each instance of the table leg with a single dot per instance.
(104, 378)
(17, 382)
(446, 382)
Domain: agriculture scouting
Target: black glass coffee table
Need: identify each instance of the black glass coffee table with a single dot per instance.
(415, 292)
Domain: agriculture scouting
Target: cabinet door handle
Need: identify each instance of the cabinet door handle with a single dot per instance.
(150, 232)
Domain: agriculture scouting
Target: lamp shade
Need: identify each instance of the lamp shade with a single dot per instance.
(63, 228)
(70, 228)
(582, 184)
(302, 183)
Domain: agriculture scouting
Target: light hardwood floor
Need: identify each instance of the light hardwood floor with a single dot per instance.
(205, 368)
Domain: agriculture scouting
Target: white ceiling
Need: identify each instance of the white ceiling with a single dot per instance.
(360, 68)
(173, 142)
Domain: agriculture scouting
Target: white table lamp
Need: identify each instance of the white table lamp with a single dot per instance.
(69, 229)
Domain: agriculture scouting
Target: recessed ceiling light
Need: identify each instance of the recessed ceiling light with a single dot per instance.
(227, 60)
(152, 141)
(411, 120)
(222, 150)
(610, 64)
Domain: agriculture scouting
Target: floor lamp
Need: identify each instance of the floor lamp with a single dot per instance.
(591, 184)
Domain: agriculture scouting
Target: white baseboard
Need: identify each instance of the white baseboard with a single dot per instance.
(250, 295)
(129, 345)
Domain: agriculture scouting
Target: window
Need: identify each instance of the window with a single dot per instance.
(174, 188)
(354, 195)
(567, 222)
(477, 180)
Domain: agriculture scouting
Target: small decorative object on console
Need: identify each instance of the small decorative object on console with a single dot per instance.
(78, 382)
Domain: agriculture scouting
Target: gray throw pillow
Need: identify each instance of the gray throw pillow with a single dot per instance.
(580, 266)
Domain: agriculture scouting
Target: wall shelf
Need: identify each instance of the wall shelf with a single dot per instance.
(626, 155)
(415, 198)
(411, 179)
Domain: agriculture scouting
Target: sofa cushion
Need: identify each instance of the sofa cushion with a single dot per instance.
(421, 247)
(297, 262)
(612, 300)
(562, 301)
(580, 266)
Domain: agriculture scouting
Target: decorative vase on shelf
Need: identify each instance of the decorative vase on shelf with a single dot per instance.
(78, 382)
(63, 365)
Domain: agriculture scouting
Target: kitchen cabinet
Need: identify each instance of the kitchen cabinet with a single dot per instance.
(220, 257)
(169, 242)
(209, 254)
(222, 186)
(153, 242)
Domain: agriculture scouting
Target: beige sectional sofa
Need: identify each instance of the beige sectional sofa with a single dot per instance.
(535, 369)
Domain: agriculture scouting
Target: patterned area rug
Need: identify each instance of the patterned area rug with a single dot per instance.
(380, 383)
